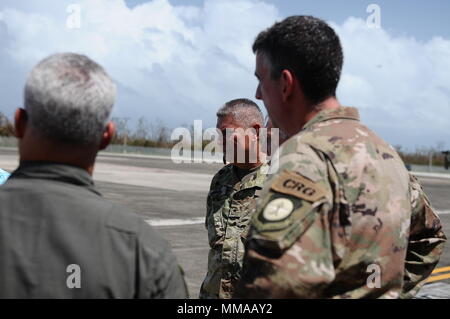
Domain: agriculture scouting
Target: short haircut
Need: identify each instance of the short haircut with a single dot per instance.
(244, 111)
(69, 98)
(309, 48)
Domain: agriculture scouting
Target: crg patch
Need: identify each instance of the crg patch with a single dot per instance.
(296, 185)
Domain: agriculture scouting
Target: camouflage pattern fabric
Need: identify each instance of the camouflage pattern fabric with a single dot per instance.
(340, 218)
(423, 250)
(230, 202)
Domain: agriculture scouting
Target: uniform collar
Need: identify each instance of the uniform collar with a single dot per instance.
(56, 172)
(350, 113)
(254, 177)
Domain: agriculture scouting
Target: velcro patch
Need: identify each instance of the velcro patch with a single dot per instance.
(298, 186)
(278, 209)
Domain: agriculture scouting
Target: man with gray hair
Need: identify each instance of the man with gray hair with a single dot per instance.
(232, 195)
(59, 237)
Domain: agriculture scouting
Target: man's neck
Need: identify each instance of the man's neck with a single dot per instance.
(47, 152)
(308, 112)
(328, 104)
(248, 166)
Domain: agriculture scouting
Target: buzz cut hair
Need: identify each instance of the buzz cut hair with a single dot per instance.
(69, 98)
(244, 111)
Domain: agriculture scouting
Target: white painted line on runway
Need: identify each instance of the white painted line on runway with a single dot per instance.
(175, 159)
(438, 290)
(443, 212)
(202, 248)
(176, 222)
(435, 175)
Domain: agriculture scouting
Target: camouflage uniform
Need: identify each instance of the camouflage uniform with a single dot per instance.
(426, 241)
(341, 210)
(230, 201)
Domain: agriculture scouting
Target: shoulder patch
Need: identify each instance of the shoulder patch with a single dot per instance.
(296, 185)
(278, 209)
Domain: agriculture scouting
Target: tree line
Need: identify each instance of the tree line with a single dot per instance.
(156, 133)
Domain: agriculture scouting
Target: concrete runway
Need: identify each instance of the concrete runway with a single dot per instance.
(172, 198)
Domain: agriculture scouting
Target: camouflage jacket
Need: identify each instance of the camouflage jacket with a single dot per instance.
(340, 218)
(230, 201)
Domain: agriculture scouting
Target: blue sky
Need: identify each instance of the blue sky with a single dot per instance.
(179, 61)
(419, 18)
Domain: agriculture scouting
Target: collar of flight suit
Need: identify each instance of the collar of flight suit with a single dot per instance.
(349, 113)
(254, 177)
(56, 172)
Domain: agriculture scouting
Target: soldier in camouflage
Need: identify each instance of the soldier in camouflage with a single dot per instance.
(339, 215)
(231, 198)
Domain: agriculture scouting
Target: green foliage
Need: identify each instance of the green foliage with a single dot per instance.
(421, 156)
(146, 134)
(6, 127)
(157, 134)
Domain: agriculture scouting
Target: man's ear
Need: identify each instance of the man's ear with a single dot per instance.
(20, 122)
(256, 127)
(287, 84)
(108, 135)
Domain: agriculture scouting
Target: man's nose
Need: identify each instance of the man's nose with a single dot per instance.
(258, 92)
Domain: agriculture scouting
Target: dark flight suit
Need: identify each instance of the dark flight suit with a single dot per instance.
(60, 239)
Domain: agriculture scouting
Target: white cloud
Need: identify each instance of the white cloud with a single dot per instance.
(401, 85)
(174, 62)
(180, 63)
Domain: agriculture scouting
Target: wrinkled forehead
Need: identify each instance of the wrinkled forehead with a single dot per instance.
(227, 122)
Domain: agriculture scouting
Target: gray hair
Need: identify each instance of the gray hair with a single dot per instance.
(69, 98)
(244, 111)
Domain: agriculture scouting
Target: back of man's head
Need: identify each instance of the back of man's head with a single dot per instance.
(309, 48)
(68, 99)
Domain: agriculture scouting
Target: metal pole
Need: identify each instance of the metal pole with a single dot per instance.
(126, 134)
(430, 161)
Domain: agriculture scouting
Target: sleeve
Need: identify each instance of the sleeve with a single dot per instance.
(208, 209)
(209, 200)
(426, 241)
(159, 274)
(288, 253)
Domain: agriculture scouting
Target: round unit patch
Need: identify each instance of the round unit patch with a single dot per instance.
(278, 209)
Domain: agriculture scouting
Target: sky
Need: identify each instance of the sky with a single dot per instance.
(180, 60)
